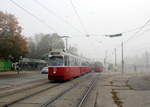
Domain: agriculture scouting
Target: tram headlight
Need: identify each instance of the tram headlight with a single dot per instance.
(54, 72)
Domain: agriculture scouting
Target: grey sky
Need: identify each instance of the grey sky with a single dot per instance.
(99, 17)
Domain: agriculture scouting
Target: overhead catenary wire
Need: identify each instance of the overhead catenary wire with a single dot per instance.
(138, 29)
(135, 34)
(124, 32)
(132, 30)
(31, 14)
(142, 34)
(78, 16)
(28, 12)
(56, 15)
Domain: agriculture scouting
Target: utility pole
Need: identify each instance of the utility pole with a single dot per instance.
(122, 62)
(105, 60)
(146, 56)
(122, 58)
(115, 58)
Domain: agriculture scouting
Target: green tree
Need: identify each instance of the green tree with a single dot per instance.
(12, 43)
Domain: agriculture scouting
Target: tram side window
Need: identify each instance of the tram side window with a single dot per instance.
(79, 62)
(99, 64)
(72, 60)
(66, 60)
(76, 62)
(84, 63)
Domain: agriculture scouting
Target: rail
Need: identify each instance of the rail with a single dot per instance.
(28, 96)
(87, 91)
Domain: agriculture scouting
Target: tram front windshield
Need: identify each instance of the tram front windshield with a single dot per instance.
(55, 61)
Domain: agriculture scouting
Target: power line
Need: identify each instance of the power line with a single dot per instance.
(79, 18)
(128, 31)
(135, 34)
(131, 30)
(31, 14)
(59, 17)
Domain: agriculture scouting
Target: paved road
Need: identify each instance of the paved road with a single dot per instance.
(130, 89)
(9, 79)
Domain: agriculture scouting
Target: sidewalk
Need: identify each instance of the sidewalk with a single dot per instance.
(127, 90)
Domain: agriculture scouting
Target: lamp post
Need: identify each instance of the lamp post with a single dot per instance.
(115, 60)
(66, 40)
(122, 61)
(105, 60)
(115, 57)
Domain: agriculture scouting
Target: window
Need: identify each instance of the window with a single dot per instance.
(67, 60)
(55, 61)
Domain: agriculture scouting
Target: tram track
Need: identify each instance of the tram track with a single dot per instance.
(28, 96)
(87, 92)
(84, 88)
(9, 88)
(8, 93)
(48, 103)
(58, 96)
(90, 95)
(95, 103)
(32, 94)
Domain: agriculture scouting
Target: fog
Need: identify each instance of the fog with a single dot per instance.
(96, 18)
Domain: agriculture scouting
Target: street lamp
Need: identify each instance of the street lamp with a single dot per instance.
(122, 61)
(66, 39)
(114, 35)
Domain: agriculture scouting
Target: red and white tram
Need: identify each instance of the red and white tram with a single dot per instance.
(98, 66)
(65, 66)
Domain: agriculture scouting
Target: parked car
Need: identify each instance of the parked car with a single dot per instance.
(44, 70)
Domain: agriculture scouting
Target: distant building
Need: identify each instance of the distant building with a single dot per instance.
(32, 64)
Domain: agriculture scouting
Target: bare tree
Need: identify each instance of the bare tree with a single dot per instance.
(41, 44)
(73, 50)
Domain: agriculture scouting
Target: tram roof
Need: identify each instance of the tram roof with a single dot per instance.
(57, 53)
